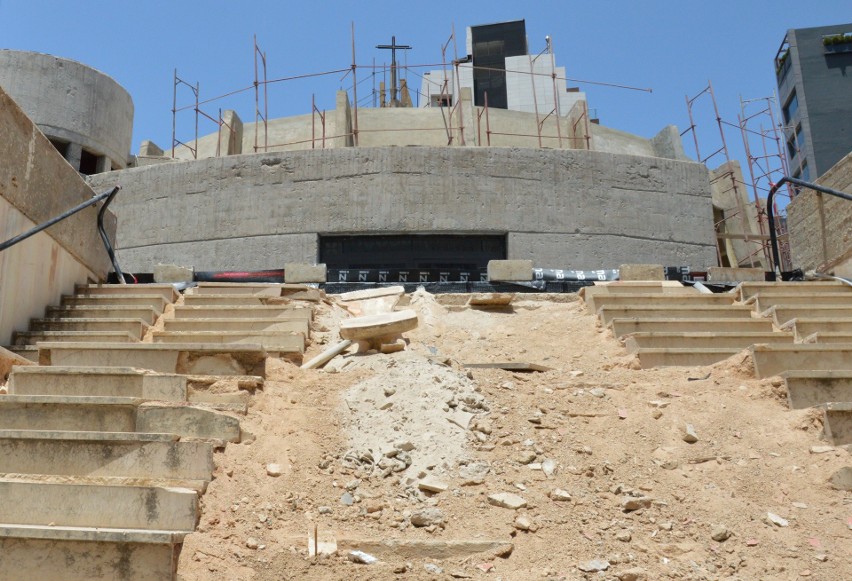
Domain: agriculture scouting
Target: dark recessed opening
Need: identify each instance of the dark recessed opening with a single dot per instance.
(60, 146)
(467, 252)
(88, 163)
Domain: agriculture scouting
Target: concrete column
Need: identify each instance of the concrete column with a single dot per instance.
(150, 149)
(73, 154)
(231, 134)
(468, 115)
(343, 121)
(103, 164)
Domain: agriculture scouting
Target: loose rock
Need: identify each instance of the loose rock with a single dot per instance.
(425, 517)
(689, 435)
(776, 520)
(274, 470)
(507, 500)
(720, 534)
(559, 495)
(593, 566)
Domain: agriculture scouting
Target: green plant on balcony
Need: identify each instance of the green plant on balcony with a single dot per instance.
(836, 39)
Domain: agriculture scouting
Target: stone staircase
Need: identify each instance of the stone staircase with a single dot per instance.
(107, 444)
(801, 331)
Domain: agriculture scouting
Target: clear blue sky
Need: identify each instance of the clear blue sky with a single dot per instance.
(671, 46)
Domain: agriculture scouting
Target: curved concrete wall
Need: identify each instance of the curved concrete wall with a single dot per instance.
(71, 102)
(560, 208)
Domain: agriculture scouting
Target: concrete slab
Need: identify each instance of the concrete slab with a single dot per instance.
(166, 291)
(187, 422)
(726, 274)
(699, 340)
(828, 337)
(156, 302)
(185, 358)
(266, 289)
(491, 300)
(271, 340)
(668, 325)
(595, 302)
(607, 313)
(135, 327)
(782, 314)
(146, 314)
(372, 293)
(510, 270)
(372, 326)
(283, 312)
(772, 360)
(104, 454)
(811, 388)
(169, 273)
(83, 554)
(33, 337)
(641, 272)
(804, 326)
(238, 325)
(764, 302)
(97, 381)
(134, 507)
(838, 422)
(749, 289)
(683, 357)
(103, 414)
(224, 300)
(27, 352)
(295, 272)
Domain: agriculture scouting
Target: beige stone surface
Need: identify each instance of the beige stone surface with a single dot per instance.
(510, 270)
(641, 272)
(295, 272)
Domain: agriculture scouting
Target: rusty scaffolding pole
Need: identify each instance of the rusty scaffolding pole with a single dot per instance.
(258, 116)
(195, 91)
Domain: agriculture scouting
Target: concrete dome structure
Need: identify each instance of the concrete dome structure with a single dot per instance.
(85, 113)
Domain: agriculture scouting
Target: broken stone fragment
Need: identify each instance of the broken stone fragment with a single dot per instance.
(548, 466)
(523, 523)
(506, 500)
(720, 534)
(430, 484)
(689, 435)
(474, 473)
(776, 520)
(425, 517)
(593, 566)
(526, 457)
(274, 470)
(631, 503)
(559, 495)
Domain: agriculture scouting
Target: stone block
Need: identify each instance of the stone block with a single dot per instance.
(724, 274)
(641, 272)
(296, 272)
(510, 270)
(173, 273)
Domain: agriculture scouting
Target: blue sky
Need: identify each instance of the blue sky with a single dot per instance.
(671, 46)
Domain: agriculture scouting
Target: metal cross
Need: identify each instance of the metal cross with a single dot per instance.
(393, 47)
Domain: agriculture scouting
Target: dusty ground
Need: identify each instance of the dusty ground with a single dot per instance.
(353, 443)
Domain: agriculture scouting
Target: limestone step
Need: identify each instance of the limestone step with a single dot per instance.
(188, 422)
(96, 381)
(166, 291)
(33, 337)
(61, 553)
(722, 340)
(762, 303)
(810, 388)
(136, 327)
(83, 505)
(228, 299)
(26, 351)
(683, 357)
(185, 358)
(665, 325)
(595, 302)
(59, 413)
(748, 289)
(772, 360)
(271, 340)
(283, 312)
(837, 419)
(104, 454)
(782, 314)
(661, 287)
(238, 288)
(156, 302)
(804, 326)
(608, 313)
(828, 337)
(239, 325)
(146, 314)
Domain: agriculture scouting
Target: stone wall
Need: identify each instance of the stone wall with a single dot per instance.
(568, 208)
(820, 225)
(37, 184)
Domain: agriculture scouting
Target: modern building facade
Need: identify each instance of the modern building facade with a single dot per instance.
(815, 93)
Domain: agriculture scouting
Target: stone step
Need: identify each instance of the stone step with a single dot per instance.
(238, 288)
(136, 327)
(772, 360)
(115, 414)
(26, 351)
(804, 326)
(782, 314)
(283, 312)
(166, 291)
(837, 419)
(762, 303)
(104, 454)
(607, 313)
(678, 357)
(33, 337)
(722, 340)
(660, 287)
(228, 299)
(238, 325)
(696, 299)
(61, 553)
(747, 290)
(271, 340)
(157, 303)
(664, 325)
(185, 358)
(84, 505)
(828, 337)
(146, 314)
(59, 413)
(96, 381)
(811, 388)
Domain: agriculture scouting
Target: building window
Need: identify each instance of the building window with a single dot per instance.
(795, 143)
(791, 107)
